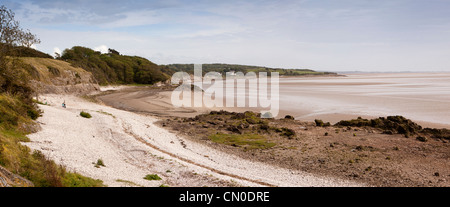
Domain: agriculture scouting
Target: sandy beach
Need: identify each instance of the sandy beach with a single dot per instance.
(132, 146)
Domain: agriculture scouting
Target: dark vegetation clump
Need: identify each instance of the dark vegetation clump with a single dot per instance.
(320, 123)
(437, 133)
(422, 138)
(54, 71)
(85, 115)
(390, 125)
(289, 133)
(152, 177)
(99, 163)
(397, 125)
(289, 117)
(32, 71)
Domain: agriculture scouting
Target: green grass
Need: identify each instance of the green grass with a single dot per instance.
(85, 115)
(248, 141)
(128, 182)
(77, 180)
(106, 113)
(14, 111)
(34, 166)
(152, 177)
(39, 102)
(15, 118)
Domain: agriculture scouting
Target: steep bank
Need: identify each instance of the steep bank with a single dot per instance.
(58, 77)
(20, 80)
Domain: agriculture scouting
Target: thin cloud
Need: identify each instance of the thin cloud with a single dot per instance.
(56, 51)
(102, 48)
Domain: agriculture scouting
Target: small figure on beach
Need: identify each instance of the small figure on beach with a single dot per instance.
(64, 104)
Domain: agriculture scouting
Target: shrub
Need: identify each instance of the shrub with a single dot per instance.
(422, 139)
(289, 117)
(54, 71)
(320, 123)
(287, 132)
(85, 115)
(264, 126)
(390, 124)
(100, 163)
(152, 177)
(437, 133)
(33, 114)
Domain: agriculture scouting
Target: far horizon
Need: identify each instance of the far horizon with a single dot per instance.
(366, 36)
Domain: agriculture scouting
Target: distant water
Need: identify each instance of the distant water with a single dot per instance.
(422, 97)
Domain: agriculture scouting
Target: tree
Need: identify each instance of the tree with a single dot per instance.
(113, 51)
(28, 39)
(11, 37)
(57, 56)
(9, 28)
(11, 34)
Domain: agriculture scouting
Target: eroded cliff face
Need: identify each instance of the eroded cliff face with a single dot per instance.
(8, 179)
(58, 77)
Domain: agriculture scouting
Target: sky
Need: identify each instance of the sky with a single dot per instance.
(324, 35)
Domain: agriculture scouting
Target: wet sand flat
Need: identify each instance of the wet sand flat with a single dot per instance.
(422, 97)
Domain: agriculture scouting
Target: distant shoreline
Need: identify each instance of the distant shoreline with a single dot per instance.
(393, 72)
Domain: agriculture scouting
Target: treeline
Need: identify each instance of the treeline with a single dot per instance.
(22, 51)
(114, 68)
(224, 68)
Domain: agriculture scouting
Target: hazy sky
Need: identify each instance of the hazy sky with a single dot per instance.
(332, 35)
